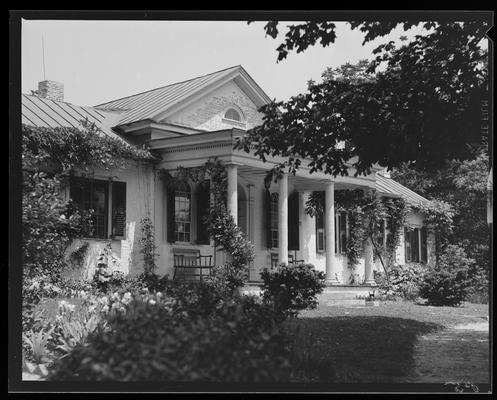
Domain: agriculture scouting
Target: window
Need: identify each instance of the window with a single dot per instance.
(233, 115)
(320, 241)
(182, 213)
(274, 221)
(107, 200)
(416, 244)
(340, 232)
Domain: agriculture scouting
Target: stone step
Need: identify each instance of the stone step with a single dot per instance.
(344, 302)
(342, 295)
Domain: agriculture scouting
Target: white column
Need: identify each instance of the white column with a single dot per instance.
(368, 263)
(329, 226)
(283, 219)
(232, 170)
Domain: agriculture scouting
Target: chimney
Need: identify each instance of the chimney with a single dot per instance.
(51, 90)
(386, 173)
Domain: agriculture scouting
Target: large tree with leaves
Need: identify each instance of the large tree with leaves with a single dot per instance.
(422, 107)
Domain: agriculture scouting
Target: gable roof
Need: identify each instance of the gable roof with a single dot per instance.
(41, 112)
(150, 104)
(389, 187)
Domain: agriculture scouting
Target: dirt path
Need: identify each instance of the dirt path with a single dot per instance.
(459, 353)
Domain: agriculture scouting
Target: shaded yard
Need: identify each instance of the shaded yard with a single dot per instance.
(394, 342)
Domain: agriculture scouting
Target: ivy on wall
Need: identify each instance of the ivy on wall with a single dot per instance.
(49, 157)
(368, 213)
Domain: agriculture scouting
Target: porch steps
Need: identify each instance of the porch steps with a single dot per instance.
(336, 295)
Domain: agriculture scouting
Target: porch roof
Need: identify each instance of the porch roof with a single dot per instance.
(389, 187)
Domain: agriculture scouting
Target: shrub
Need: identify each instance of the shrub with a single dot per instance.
(238, 342)
(447, 283)
(226, 234)
(291, 288)
(404, 281)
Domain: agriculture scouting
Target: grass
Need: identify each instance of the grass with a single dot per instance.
(373, 344)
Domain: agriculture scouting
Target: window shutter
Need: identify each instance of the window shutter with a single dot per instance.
(407, 245)
(415, 245)
(293, 221)
(118, 209)
(424, 252)
(267, 205)
(203, 207)
(170, 214)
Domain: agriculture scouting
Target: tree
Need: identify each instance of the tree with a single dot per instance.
(422, 109)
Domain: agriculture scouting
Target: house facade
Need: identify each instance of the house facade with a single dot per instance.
(188, 123)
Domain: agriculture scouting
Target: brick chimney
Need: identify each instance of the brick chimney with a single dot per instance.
(51, 90)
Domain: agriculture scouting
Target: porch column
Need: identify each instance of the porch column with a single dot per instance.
(232, 170)
(283, 219)
(368, 263)
(329, 227)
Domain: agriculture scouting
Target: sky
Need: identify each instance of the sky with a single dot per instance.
(99, 61)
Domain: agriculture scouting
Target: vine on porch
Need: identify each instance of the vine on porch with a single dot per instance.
(222, 227)
(367, 214)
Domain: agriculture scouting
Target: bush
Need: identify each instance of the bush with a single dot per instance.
(239, 341)
(291, 288)
(447, 283)
(404, 281)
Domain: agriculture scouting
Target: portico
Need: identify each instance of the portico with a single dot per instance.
(267, 215)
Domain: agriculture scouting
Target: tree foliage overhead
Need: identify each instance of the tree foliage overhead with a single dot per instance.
(421, 107)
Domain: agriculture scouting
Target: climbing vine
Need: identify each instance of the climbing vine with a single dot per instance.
(49, 157)
(368, 216)
(222, 228)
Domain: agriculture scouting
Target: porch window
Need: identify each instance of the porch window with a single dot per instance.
(274, 220)
(107, 200)
(416, 245)
(340, 233)
(182, 213)
(320, 237)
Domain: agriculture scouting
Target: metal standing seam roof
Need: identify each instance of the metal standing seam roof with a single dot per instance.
(41, 112)
(388, 186)
(145, 105)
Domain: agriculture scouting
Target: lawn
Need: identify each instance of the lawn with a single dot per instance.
(369, 344)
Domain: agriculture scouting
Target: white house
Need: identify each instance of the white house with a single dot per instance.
(187, 123)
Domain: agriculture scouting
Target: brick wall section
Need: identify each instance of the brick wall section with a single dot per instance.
(208, 112)
(51, 90)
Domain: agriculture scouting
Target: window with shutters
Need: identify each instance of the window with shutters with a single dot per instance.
(107, 202)
(415, 240)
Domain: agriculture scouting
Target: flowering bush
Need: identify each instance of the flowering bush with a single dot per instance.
(238, 340)
(447, 283)
(291, 288)
(404, 281)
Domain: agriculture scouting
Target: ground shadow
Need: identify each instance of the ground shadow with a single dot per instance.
(354, 348)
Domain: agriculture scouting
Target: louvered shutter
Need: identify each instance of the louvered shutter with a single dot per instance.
(267, 205)
(203, 207)
(407, 246)
(424, 251)
(118, 209)
(293, 221)
(170, 214)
